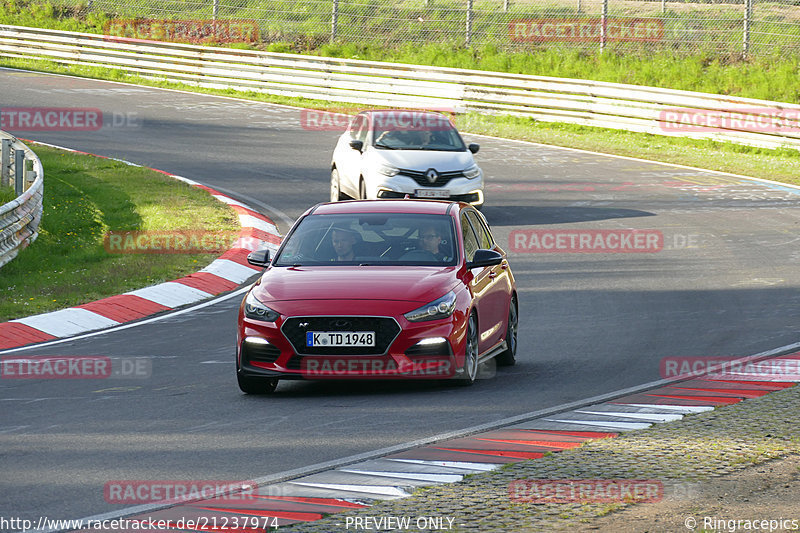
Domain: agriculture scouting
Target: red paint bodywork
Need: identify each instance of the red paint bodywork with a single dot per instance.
(385, 291)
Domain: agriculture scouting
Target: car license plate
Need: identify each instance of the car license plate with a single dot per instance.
(432, 193)
(350, 339)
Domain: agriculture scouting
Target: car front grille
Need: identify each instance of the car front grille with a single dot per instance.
(443, 179)
(386, 331)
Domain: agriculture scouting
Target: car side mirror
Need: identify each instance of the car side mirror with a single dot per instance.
(355, 144)
(259, 258)
(485, 258)
(474, 148)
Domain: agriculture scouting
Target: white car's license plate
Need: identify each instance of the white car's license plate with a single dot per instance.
(432, 193)
(350, 339)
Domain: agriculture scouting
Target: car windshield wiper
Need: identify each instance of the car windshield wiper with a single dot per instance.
(381, 145)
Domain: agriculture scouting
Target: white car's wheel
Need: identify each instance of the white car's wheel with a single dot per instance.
(336, 191)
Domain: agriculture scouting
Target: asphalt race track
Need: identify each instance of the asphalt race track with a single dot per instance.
(726, 281)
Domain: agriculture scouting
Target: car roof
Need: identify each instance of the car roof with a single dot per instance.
(432, 207)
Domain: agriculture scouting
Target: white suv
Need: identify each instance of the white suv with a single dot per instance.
(393, 153)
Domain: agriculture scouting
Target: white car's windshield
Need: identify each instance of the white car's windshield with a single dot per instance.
(434, 135)
(370, 239)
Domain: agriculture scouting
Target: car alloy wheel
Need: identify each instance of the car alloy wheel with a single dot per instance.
(250, 385)
(471, 352)
(509, 356)
(336, 192)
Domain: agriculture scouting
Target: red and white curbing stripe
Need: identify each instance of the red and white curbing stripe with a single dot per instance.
(224, 274)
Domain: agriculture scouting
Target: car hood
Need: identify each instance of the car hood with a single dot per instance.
(414, 284)
(425, 159)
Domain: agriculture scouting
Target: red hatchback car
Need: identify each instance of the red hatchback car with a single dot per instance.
(412, 289)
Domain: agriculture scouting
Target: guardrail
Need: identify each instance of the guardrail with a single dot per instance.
(19, 218)
(591, 103)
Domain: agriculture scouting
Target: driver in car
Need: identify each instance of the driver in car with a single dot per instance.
(343, 241)
(431, 239)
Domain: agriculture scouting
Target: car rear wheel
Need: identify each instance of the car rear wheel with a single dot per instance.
(509, 356)
(336, 191)
(250, 385)
(470, 353)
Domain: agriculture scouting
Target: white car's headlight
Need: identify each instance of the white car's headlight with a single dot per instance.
(255, 310)
(472, 172)
(440, 308)
(388, 170)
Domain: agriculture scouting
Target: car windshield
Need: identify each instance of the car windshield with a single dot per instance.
(370, 239)
(424, 132)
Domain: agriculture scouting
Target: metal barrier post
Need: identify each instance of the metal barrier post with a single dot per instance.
(5, 162)
(215, 10)
(506, 5)
(334, 19)
(748, 15)
(468, 38)
(603, 23)
(19, 171)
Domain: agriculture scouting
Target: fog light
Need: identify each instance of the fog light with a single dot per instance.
(256, 340)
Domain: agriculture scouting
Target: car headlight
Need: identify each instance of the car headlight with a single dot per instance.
(255, 310)
(472, 172)
(388, 170)
(440, 308)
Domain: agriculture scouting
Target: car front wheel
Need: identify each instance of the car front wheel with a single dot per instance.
(336, 191)
(470, 353)
(509, 356)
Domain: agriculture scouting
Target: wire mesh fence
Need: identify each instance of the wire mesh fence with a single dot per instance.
(724, 27)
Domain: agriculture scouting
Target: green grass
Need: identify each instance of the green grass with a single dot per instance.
(770, 74)
(84, 198)
(7, 194)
